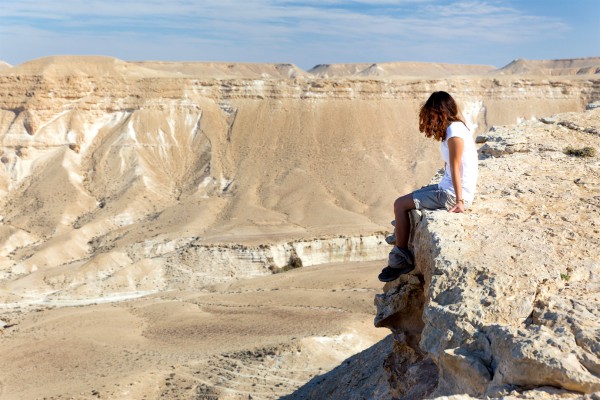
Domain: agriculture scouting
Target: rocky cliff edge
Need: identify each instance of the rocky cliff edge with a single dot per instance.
(504, 301)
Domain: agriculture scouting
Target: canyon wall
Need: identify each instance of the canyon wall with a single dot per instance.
(125, 173)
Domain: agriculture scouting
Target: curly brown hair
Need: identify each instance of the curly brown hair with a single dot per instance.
(438, 112)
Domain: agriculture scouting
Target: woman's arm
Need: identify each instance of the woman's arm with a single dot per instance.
(456, 146)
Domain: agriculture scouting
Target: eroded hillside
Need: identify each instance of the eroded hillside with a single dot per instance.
(135, 177)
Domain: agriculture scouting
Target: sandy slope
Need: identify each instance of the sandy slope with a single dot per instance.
(263, 337)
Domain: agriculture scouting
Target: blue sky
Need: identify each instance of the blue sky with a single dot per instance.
(303, 32)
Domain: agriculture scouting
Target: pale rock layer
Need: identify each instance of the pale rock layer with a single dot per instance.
(117, 177)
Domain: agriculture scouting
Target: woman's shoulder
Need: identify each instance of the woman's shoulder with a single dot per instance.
(457, 128)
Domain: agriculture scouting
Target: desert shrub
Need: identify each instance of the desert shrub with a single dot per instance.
(293, 263)
(583, 152)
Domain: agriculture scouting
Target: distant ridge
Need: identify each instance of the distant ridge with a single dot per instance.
(116, 68)
(102, 66)
(79, 66)
(227, 70)
(575, 66)
(392, 69)
(572, 66)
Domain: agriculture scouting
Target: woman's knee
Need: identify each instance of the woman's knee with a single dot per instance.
(404, 203)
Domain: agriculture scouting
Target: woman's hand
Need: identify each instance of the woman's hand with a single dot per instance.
(458, 208)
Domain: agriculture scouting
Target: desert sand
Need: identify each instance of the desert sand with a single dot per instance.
(262, 337)
(145, 206)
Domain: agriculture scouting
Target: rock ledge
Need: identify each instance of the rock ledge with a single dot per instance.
(504, 301)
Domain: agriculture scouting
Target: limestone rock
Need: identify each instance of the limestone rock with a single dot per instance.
(548, 120)
(593, 105)
(411, 374)
(511, 288)
(539, 356)
(398, 296)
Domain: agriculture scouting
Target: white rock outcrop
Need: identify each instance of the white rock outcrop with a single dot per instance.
(505, 299)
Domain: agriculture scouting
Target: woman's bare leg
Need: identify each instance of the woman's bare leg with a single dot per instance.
(402, 206)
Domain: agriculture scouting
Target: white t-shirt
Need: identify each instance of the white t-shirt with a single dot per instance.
(468, 163)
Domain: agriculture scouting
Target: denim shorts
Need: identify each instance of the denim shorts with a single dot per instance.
(431, 197)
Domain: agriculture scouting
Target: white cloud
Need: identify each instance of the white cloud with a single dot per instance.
(261, 29)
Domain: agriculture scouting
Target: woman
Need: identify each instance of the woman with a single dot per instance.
(439, 119)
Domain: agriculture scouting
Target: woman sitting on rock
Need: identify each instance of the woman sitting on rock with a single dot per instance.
(439, 119)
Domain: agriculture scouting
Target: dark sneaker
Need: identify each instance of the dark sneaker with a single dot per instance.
(400, 262)
(389, 274)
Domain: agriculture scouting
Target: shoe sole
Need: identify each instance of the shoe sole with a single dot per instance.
(398, 271)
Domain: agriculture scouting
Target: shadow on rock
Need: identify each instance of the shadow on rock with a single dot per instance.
(361, 376)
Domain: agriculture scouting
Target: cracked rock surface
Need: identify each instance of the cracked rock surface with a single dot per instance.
(511, 288)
